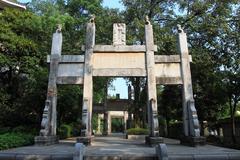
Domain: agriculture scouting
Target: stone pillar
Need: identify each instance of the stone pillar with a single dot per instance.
(105, 115)
(86, 131)
(153, 137)
(109, 123)
(151, 81)
(98, 124)
(125, 120)
(49, 120)
(105, 123)
(190, 119)
(129, 119)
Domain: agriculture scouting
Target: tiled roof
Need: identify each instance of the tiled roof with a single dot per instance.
(7, 3)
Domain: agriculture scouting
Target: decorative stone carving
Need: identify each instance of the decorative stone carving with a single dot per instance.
(49, 119)
(179, 27)
(84, 118)
(147, 21)
(92, 18)
(193, 119)
(46, 120)
(119, 34)
(59, 28)
(154, 119)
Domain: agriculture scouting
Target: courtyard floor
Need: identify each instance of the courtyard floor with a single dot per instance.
(118, 148)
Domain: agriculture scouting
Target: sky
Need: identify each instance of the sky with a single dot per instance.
(119, 84)
(106, 3)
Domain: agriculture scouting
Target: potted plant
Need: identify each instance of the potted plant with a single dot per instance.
(137, 133)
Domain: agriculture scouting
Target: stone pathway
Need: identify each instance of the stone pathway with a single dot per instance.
(118, 148)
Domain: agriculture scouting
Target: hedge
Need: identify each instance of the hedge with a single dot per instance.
(65, 131)
(11, 140)
(137, 131)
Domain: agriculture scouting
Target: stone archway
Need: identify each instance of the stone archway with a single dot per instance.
(120, 60)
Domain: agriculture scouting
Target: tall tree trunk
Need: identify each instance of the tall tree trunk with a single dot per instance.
(232, 112)
(136, 86)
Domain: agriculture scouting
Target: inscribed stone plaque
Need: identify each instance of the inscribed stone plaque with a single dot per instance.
(119, 34)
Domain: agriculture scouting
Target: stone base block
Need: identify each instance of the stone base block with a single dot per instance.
(85, 140)
(153, 141)
(46, 140)
(193, 141)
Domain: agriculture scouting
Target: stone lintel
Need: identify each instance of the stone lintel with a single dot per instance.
(119, 48)
(120, 72)
(169, 58)
(157, 58)
(169, 80)
(69, 59)
(69, 80)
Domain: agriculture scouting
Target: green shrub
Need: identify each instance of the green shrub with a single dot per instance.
(11, 140)
(19, 129)
(76, 131)
(137, 131)
(4, 130)
(65, 131)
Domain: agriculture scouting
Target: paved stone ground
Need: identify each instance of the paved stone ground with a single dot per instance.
(116, 147)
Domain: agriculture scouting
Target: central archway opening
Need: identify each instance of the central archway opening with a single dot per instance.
(120, 104)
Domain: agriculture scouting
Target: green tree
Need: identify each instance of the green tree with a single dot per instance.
(19, 59)
(209, 24)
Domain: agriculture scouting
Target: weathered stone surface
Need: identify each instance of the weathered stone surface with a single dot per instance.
(168, 80)
(69, 80)
(103, 147)
(210, 157)
(46, 140)
(49, 121)
(62, 157)
(167, 70)
(33, 157)
(151, 82)
(119, 34)
(180, 157)
(169, 58)
(69, 59)
(79, 151)
(70, 70)
(86, 130)
(119, 48)
(190, 122)
(193, 141)
(103, 158)
(136, 137)
(194, 127)
(161, 151)
(120, 72)
(7, 156)
(153, 141)
(118, 60)
(85, 140)
(45, 123)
